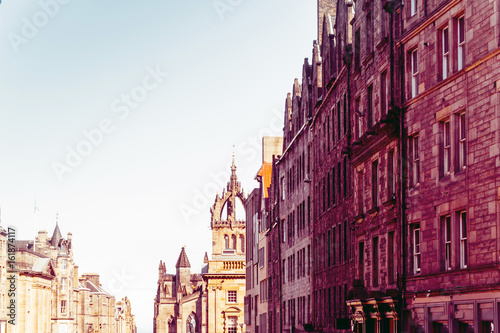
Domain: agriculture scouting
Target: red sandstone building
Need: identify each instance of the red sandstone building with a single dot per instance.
(393, 139)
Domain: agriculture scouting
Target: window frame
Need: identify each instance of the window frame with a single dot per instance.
(447, 241)
(446, 144)
(417, 255)
(461, 140)
(444, 38)
(230, 297)
(460, 23)
(414, 71)
(462, 221)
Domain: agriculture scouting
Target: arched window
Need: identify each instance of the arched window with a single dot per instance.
(226, 241)
(242, 243)
(233, 238)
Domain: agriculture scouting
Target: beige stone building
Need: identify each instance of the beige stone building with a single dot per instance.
(51, 297)
(213, 301)
(125, 320)
(258, 223)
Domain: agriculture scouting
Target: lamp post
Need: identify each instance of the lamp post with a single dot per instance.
(241, 325)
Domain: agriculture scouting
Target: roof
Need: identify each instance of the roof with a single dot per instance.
(56, 236)
(96, 289)
(40, 264)
(183, 260)
(265, 172)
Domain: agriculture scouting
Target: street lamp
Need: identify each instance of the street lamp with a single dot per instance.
(241, 325)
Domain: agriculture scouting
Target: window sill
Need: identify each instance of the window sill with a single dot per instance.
(368, 59)
(389, 204)
(373, 212)
(382, 42)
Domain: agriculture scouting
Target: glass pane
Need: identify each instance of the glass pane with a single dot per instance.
(445, 41)
(461, 30)
(464, 225)
(462, 126)
(414, 62)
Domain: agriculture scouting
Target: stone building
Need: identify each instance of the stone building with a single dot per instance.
(179, 303)
(451, 92)
(212, 301)
(51, 296)
(259, 284)
(125, 320)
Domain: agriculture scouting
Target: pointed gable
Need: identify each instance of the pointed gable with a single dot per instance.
(183, 260)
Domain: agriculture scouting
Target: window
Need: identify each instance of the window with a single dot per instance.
(414, 73)
(446, 157)
(391, 184)
(413, 7)
(345, 114)
(369, 34)
(361, 261)
(282, 188)
(232, 296)
(446, 224)
(462, 217)
(345, 177)
(462, 156)
(63, 264)
(357, 50)
(63, 284)
(445, 52)
(261, 257)
(361, 199)
(375, 179)
(63, 306)
(233, 238)
(242, 243)
(232, 324)
(390, 257)
(416, 248)
(369, 109)
(461, 43)
(415, 160)
(375, 262)
(339, 124)
(384, 94)
(359, 122)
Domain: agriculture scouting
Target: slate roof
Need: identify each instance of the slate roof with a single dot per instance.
(56, 236)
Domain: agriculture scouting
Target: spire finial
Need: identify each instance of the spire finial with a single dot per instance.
(57, 218)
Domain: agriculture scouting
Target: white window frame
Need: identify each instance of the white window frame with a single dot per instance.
(63, 264)
(414, 73)
(462, 220)
(413, 7)
(63, 284)
(446, 147)
(445, 55)
(462, 137)
(415, 160)
(460, 43)
(416, 248)
(63, 306)
(447, 242)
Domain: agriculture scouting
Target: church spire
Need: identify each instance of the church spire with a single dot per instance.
(234, 178)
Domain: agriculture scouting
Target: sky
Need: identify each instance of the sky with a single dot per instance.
(122, 118)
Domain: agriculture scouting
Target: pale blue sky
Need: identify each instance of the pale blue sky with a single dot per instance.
(123, 202)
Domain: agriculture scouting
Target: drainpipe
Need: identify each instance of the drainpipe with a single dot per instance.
(279, 244)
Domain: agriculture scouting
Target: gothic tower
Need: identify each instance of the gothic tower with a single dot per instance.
(228, 233)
